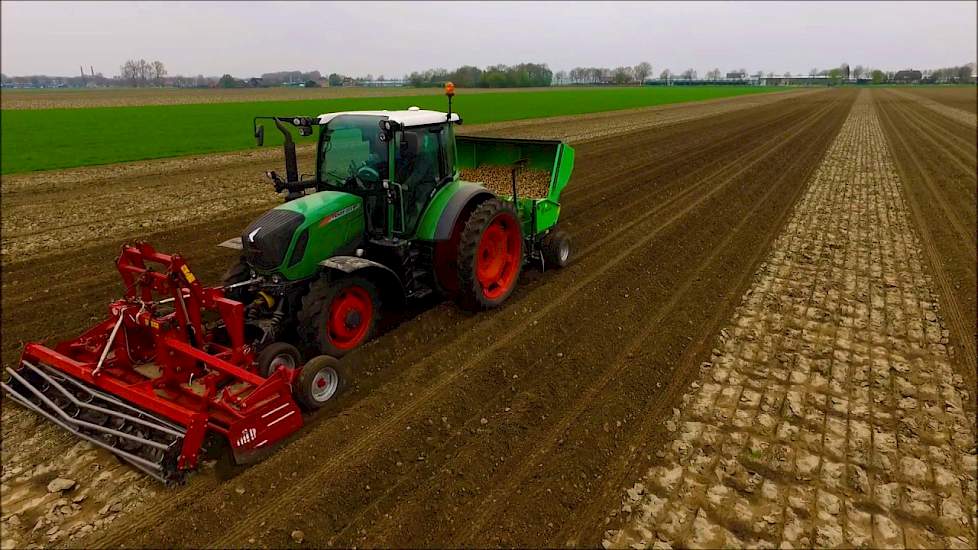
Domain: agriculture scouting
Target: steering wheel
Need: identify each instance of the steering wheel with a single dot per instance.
(366, 175)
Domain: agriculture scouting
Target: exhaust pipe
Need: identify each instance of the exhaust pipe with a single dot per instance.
(291, 164)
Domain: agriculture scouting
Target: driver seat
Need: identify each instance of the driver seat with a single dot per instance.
(416, 173)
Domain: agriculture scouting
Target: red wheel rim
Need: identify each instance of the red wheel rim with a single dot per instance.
(497, 260)
(350, 314)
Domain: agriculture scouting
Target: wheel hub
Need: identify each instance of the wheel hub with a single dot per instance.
(350, 314)
(498, 257)
(353, 319)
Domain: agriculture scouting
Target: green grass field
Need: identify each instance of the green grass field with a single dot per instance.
(63, 138)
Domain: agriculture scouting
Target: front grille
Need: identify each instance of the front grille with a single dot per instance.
(265, 242)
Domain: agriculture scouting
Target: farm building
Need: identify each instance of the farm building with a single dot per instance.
(784, 80)
(907, 77)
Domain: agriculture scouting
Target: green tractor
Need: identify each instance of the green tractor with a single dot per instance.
(389, 217)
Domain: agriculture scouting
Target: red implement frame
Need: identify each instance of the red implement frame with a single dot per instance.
(161, 359)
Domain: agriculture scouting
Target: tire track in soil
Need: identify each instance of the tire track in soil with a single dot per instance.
(267, 507)
(85, 278)
(516, 305)
(665, 312)
(948, 241)
(65, 281)
(89, 266)
(942, 133)
(663, 168)
(952, 209)
(105, 278)
(511, 481)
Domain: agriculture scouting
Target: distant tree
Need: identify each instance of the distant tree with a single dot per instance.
(835, 76)
(813, 72)
(129, 71)
(467, 76)
(145, 71)
(858, 71)
(759, 75)
(665, 75)
(228, 81)
(623, 75)
(335, 79)
(844, 71)
(713, 75)
(689, 74)
(963, 74)
(642, 71)
(159, 71)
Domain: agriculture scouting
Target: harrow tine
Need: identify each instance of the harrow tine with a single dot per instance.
(109, 398)
(82, 423)
(135, 459)
(103, 410)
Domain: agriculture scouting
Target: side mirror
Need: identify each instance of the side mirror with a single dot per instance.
(260, 135)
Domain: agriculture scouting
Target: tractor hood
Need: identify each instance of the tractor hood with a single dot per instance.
(292, 238)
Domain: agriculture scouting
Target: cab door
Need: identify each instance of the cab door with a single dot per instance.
(420, 167)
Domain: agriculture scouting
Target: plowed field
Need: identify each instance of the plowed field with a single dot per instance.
(935, 156)
(959, 97)
(515, 427)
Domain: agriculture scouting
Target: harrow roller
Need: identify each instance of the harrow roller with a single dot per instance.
(168, 368)
(149, 443)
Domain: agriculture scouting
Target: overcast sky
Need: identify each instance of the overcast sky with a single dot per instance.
(356, 38)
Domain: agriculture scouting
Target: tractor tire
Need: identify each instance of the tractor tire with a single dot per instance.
(337, 316)
(490, 255)
(277, 355)
(237, 273)
(321, 380)
(556, 248)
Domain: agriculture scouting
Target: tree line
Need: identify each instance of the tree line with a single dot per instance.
(139, 73)
(604, 75)
(861, 73)
(495, 76)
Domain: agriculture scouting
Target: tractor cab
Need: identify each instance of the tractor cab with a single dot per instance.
(395, 160)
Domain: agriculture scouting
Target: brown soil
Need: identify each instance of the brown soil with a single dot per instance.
(582, 128)
(111, 97)
(499, 180)
(936, 158)
(514, 427)
(964, 98)
(803, 427)
(135, 198)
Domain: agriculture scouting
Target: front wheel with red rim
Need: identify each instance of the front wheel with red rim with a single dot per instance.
(490, 255)
(338, 316)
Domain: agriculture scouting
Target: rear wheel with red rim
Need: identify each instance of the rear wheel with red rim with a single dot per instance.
(490, 255)
(338, 316)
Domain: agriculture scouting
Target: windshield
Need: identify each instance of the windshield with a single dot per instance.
(352, 144)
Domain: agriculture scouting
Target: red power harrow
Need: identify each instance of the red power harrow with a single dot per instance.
(151, 382)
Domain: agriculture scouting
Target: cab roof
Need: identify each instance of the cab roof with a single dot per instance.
(407, 117)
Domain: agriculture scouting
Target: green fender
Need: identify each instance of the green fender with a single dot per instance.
(446, 206)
